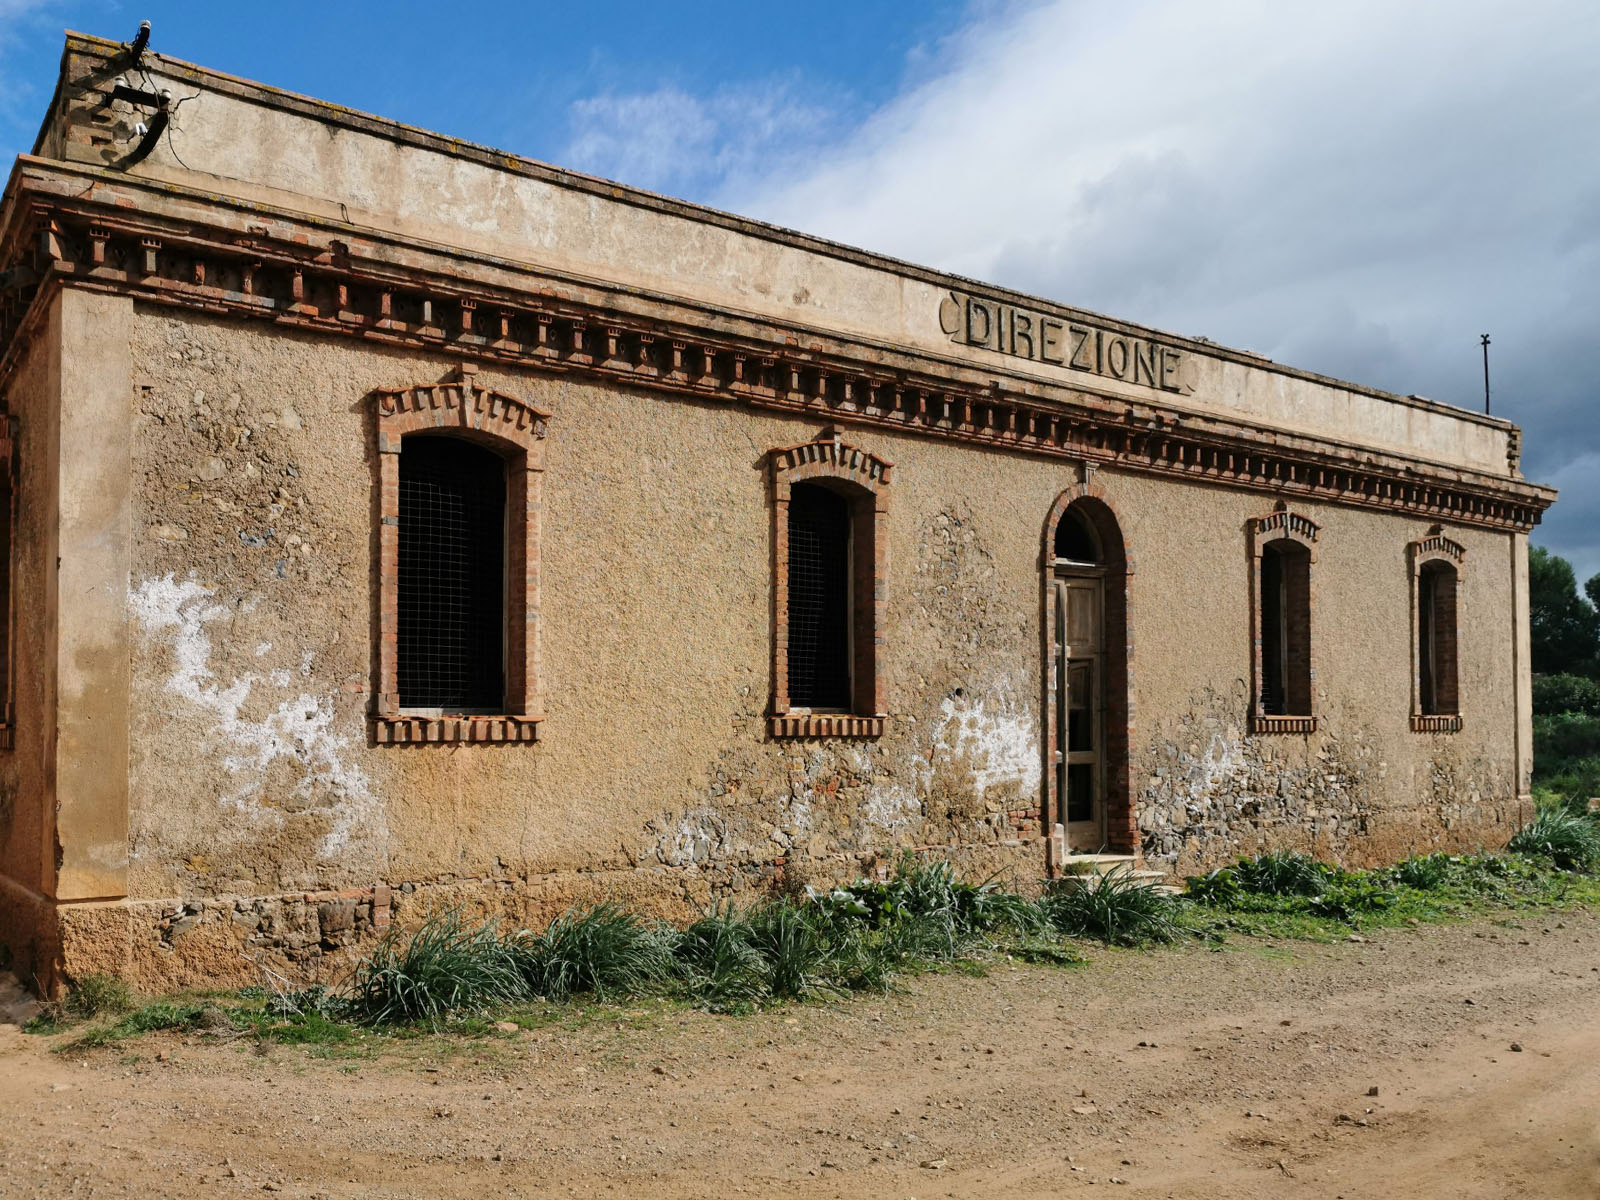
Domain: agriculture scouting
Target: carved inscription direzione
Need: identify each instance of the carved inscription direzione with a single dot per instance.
(1040, 337)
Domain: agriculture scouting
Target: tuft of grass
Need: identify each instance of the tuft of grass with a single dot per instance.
(1570, 841)
(602, 950)
(149, 1019)
(1116, 908)
(99, 995)
(444, 967)
(717, 963)
(798, 955)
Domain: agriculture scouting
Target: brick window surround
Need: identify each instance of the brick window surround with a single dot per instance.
(515, 430)
(1122, 823)
(1436, 567)
(862, 479)
(1295, 536)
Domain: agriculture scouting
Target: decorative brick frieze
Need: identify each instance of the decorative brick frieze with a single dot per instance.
(1435, 724)
(862, 478)
(1275, 723)
(515, 430)
(824, 725)
(405, 731)
(359, 289)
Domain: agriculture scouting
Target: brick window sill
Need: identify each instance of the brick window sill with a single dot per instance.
(825, 725)
(416, 731)
(1435, 723)
(1263, 723)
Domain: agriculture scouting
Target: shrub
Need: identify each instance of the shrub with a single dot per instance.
(1118, 908)
(603, 950)
(1570, 841)
(1566, 694)
(441, 969)
(98, 995)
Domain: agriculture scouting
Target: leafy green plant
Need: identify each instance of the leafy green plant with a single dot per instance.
(1117, 908)
(603, 950)
(1570, 841)
(1424, 872)
(1219, 888)
(440, 969)
(1283, 873)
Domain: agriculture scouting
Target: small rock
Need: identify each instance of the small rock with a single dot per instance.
(1373, 1090)
(1516, 1047)
(934, 1164)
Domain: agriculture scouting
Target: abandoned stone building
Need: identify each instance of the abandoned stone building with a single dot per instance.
(394, 522)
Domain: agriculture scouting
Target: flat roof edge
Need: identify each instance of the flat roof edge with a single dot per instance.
(372, 124)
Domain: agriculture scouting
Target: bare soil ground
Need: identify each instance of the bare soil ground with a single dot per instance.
(1243, 1072)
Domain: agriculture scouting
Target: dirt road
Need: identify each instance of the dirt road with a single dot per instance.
(1188, 1073)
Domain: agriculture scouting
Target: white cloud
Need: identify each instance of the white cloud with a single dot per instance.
(670, 140)
(1357, 188)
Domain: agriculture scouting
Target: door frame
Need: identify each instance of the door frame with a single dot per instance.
(1121, 831)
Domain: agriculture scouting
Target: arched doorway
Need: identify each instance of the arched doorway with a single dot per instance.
(1086, 790)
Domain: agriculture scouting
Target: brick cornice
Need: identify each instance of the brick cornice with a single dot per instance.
(307, 276)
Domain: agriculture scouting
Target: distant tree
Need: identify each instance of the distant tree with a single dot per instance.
(1565, 627)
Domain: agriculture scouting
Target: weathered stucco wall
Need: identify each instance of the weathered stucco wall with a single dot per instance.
(262, 819)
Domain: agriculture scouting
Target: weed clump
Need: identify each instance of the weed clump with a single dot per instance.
(1570, 841)
(602, 950)
(1117, 908)
(99, 995)
(443, 968)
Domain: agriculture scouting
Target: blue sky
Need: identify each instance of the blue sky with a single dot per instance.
(1358, 188)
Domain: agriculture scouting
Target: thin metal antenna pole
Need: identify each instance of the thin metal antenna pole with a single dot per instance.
(1484, 338)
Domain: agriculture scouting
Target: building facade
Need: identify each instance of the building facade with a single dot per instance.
(393, 522)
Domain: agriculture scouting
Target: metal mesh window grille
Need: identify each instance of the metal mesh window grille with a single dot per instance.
(451, 576)
(819, 599)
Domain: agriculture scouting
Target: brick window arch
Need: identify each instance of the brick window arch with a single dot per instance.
(1283, 555)
(460, 471)
(1436, 568)
(830, 560)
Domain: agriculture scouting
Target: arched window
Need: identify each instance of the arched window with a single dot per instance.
(1436, 639)
(830, 568)
(452, 585)
(1076, 540)
(1283, 552)
(459, 484)
(1436, 566)
(819, 599)
(1285, 624)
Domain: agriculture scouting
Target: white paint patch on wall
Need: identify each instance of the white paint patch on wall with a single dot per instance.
(996, 737)
(299, 731)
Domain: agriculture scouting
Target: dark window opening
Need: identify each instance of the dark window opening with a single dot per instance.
(819, 599)
(1436, 640)
(1285, 629)
(451, 652)
(1075, 539)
